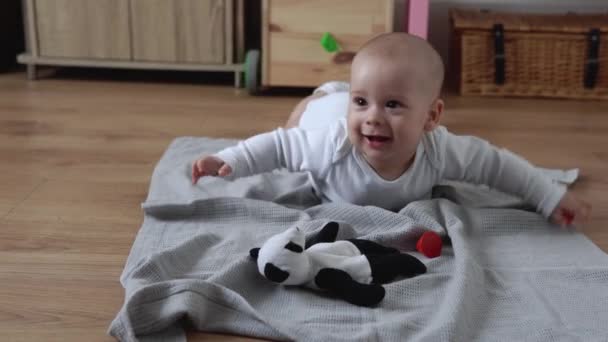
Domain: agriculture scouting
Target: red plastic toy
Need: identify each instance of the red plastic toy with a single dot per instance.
(568, 216)
(429, 244)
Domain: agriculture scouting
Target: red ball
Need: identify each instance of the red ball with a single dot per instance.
(429, 244)
(568, 216)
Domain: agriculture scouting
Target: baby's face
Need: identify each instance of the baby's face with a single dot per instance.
(388, 112)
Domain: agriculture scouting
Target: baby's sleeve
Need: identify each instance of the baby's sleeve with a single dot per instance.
(293, 149)
(473, 160)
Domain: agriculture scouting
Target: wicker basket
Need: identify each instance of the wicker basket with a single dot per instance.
(509, 54)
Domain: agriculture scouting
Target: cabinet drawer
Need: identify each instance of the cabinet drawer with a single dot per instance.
(292, 53)
(83, 28)
(190, 31)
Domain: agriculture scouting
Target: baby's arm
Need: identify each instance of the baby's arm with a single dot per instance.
(294, 149)
(475, 160)
(209, 166)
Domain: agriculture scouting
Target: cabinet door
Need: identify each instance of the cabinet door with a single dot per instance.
(292, 30)
(190, 31)
(83, 28)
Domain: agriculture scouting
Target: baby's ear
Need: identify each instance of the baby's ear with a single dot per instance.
(254, 253)
(434, 117)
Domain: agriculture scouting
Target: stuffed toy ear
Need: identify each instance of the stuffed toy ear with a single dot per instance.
(254, 253)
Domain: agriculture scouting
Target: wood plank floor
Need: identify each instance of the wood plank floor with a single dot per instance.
(76, 156)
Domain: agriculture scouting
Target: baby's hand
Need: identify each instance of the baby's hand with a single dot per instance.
(571, 211)
(209, 166)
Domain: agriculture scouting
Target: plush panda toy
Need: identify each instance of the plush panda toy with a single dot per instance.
(349, 269)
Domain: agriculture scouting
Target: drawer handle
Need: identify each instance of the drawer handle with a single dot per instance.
(345, 57)
(592, 62)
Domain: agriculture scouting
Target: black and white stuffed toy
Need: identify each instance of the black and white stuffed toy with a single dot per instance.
(349, 269)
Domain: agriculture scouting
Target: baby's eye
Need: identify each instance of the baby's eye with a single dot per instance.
(393, 104)
(359, 101)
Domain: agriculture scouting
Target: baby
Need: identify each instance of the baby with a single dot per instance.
(390, 149)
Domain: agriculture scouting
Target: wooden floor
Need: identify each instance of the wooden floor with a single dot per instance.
(76, 157)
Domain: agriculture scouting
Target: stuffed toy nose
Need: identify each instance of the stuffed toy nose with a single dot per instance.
(274, 273)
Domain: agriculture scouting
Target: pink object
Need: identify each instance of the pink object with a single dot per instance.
(417, 15)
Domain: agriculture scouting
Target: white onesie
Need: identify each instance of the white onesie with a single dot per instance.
(341, 174)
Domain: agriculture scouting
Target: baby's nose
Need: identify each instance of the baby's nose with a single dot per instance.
(373, 118)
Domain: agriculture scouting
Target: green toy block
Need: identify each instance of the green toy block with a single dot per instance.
(329, 43)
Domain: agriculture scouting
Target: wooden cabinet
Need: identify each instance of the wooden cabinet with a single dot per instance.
(191, 31)
(83, 28)
(204, 35)
(292, 54)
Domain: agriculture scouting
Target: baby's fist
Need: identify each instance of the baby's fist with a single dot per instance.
(209, 166)
(571, 211)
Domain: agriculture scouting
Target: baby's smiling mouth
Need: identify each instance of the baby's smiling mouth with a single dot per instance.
(377, 141)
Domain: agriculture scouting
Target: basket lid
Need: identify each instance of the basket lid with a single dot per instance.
(568, 22)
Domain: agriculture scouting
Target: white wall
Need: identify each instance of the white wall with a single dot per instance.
(439, 20)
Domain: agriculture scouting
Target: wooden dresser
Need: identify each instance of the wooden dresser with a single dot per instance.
(204, 35)
(292, 54)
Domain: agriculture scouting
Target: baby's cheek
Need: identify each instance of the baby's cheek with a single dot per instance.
(352, 128)
(353, 138)
(351, 119)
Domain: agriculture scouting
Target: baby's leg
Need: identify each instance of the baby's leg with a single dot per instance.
(326, 105)
(296, 114)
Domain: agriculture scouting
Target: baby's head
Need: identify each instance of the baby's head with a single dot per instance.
(395, 84)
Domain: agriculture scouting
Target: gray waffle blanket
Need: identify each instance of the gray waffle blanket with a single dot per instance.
(505, 274)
